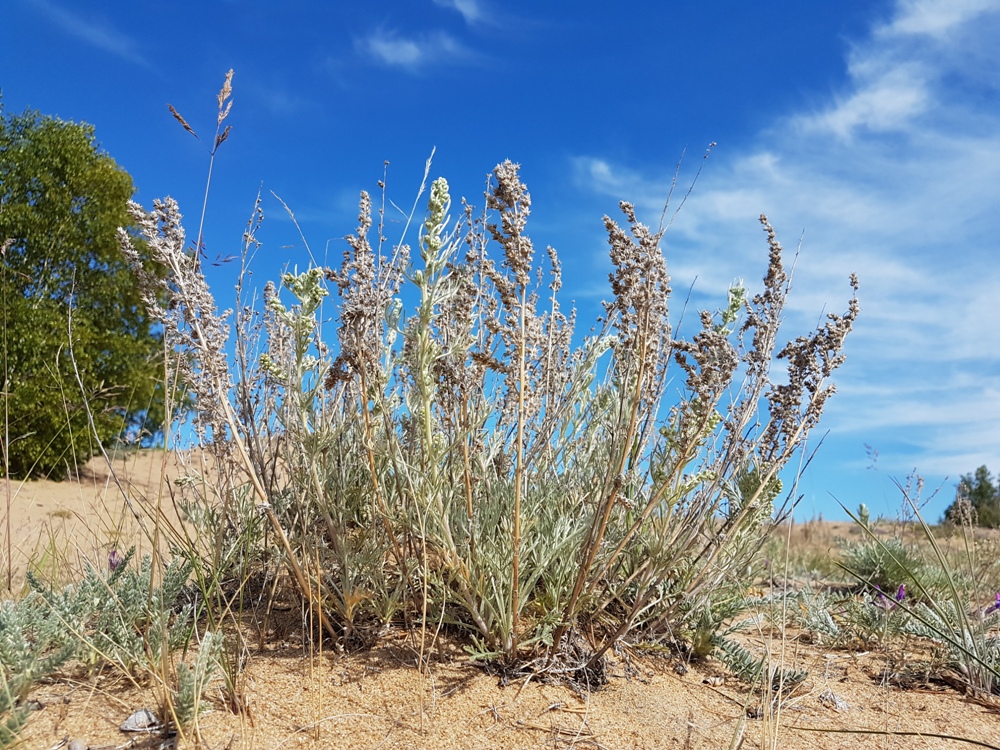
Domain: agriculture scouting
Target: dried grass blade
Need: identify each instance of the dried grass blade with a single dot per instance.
(181, 120)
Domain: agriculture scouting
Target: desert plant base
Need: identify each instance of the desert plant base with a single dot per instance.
(378, 699)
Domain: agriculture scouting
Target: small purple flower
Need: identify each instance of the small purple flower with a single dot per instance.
(115, 560)
(995, 606)
(882, 602)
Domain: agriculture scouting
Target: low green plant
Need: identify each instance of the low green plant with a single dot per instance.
(812, 610)
(115, 616)
(121, 617)
(32, 645)
(714, 626)
(758, 671)
(13, 715)
(945, 605)
(886, 564)
(872, 619)
(188, 701)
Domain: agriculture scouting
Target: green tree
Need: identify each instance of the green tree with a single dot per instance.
(61, 203)
(982, 495)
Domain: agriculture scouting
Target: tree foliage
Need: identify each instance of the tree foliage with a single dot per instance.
(979, 494)
(61, 202)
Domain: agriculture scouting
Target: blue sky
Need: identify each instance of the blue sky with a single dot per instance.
(869, 129)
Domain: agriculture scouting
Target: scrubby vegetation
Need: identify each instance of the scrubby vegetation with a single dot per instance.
(456, 456)
(466, 464)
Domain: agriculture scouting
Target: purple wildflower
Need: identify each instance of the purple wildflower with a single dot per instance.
(995, 606)
(882, 602)
(115, 560)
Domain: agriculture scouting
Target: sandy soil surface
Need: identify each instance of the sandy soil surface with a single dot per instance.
(58, 527)
(297, 697)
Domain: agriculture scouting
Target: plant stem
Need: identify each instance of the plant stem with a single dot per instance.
(600, 525)
(518, 480)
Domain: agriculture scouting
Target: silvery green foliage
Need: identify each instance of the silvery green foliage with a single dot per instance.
(189, 699)
(238, 528)
(972, 645)
(712, 619)
(13, 716)
(747, 667)
(116, 616)
(811, 612)
(886, 563)
(121, 617)
(864, 620)
(469, 461)
(31, 646)
(713, 622)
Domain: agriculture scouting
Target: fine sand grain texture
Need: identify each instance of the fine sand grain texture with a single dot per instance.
(58, 527)
(297, 696)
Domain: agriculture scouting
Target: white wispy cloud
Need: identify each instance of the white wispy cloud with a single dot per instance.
(934, 17)
(893, 177)
(472, 11)
(885, 101)
(387, 47)
(96, 33)
(897, 76)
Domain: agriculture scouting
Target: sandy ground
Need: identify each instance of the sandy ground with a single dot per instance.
(298, 698)
(58, 527)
